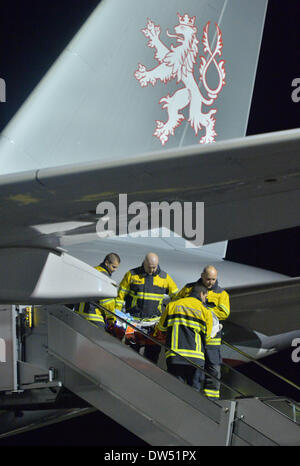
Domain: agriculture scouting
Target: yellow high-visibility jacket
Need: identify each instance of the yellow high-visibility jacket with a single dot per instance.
(143, 293)
(217, 301)
(187, 322)
(93, 314)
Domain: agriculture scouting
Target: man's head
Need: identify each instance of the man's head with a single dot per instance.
(209, 276)
(200, 291)
(150, 263)
(112, 262)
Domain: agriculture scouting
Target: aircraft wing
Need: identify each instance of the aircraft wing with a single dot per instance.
(94, 128)
(128, 109)
(248, 186)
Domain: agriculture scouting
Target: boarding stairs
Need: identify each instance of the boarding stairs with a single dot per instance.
(139, 395)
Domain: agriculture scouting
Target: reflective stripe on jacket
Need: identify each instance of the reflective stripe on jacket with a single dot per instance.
(143, 293)
(217, 301)
(187, 321)
(94, 314)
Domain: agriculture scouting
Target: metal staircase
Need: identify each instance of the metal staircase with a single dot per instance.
(156, 406)
(108, 375)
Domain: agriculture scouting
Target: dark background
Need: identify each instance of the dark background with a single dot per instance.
(32, 35)
(272, 109)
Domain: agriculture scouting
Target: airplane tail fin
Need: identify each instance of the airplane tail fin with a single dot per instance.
(91, 105)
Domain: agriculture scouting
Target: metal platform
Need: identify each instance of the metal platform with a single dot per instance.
(109, 376)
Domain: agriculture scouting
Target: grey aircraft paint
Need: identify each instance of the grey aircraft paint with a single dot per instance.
(90, 106)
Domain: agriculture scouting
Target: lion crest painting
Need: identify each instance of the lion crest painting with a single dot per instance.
(178, 62)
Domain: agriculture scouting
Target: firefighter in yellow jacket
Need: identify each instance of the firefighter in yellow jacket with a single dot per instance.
(187, 323)
(218, 302)
(88, 310)
(143, 290)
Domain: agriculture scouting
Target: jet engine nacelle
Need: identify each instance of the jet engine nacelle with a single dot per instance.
(39, 276)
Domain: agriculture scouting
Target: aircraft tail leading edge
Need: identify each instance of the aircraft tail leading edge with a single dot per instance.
(139, 77)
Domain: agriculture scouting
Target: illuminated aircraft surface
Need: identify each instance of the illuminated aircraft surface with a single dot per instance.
(92, 130)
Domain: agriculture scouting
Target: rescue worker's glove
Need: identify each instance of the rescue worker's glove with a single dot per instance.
(159, 335)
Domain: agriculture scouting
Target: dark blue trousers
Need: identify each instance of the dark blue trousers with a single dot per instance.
(188, 374)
